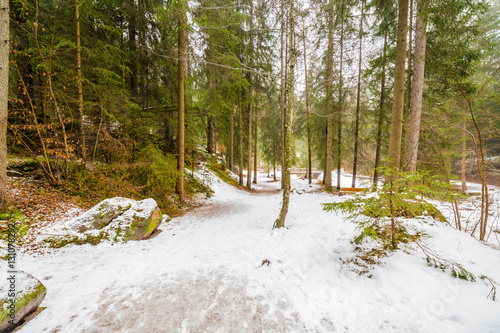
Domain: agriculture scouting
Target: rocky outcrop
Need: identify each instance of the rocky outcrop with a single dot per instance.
(20, 295)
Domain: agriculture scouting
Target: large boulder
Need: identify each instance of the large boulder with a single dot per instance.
(137, 222)
(101, 214)
(20, 295)
(115, 220)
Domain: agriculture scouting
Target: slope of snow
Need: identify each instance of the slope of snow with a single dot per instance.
(222, 268)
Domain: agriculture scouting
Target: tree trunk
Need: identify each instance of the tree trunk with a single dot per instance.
(464, 158)
(133, 48)
(329, 103)
(399, 90)
(255, 148)
(79, 79)
(182, 58)
(211, 149)
(417, 89)
(4, 97)
(97, 134)
(274, 160)
(240, 135)
(380, 116)
(356, 130)
(309, 156)
(280, 222)
(250, 106)
(485, 202)
(339, 113)
(282, 96)
(231, 136)
(408, 82)
(210, 134)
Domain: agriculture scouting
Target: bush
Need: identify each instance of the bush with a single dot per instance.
(405, 198)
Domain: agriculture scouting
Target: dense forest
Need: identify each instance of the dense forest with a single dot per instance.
(120, 96)
(249, 165)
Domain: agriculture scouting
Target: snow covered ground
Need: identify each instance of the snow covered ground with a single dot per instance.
(221, 268)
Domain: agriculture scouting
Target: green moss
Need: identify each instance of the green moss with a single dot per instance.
(118, 233)
(153, 224)
(22, 299)
(221, 171)
(59, 241)
(19, 220)
(23, 165)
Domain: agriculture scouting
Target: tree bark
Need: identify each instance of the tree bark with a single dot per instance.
(280, 222)
(182, 57)
(133, 48)
(309, 156)
(79, 79)
(480, 160)
(399, 89)
(341, 103)
(255, 147)
(408, 82)
(4, 97)
(282, 95)
(464, 158)
(329, 103)
(356, 130)
(231, 136)
(417, 89)
(274, 160)
(380, 116)
(240, 136)
(250, 106)
(210, 134)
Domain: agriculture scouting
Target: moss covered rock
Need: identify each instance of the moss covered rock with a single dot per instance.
(114, 220)
(101, 214)
(137, 222)
(20, 295)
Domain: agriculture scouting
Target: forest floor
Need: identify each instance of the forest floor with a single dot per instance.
(222, 268)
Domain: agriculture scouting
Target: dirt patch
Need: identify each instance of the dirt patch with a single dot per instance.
(39, 201)
(490, 180)
(266, 189)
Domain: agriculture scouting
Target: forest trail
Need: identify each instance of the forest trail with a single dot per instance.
(221, 268)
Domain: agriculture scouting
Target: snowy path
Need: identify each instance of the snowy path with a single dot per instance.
(205, 273)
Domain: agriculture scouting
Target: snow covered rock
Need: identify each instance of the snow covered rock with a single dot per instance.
(20, 294)
(137, 222)
(116, 220)
(102, 214)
